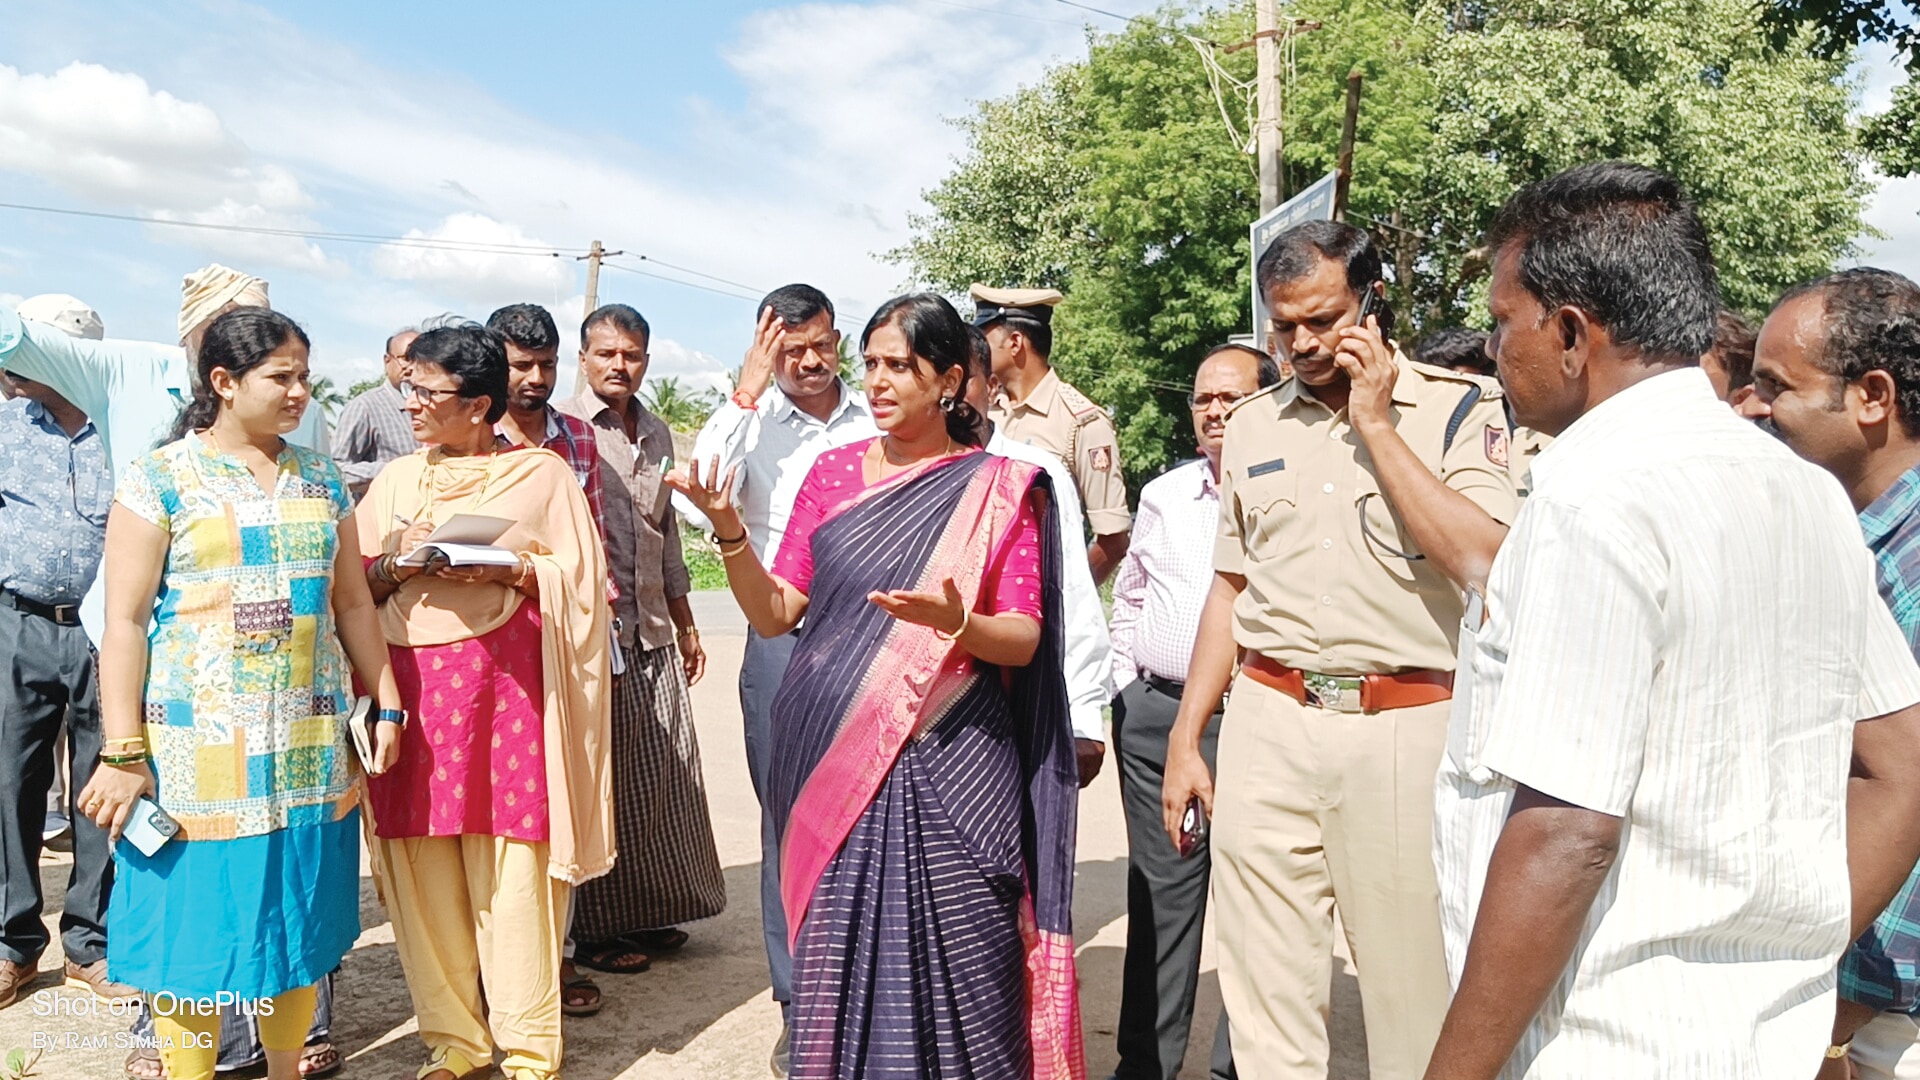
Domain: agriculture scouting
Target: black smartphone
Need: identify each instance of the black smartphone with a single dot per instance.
(1370, 303)
(1193, 827)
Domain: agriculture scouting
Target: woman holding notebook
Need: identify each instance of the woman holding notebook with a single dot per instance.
(500, 802)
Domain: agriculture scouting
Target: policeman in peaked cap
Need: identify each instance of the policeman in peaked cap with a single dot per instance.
(1034, 406)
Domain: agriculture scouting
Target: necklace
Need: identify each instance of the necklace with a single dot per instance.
(435, 459)
(886, 464)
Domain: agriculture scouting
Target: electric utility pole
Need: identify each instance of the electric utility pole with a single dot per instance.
(1267, 128)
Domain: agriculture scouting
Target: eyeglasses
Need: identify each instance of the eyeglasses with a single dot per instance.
(425, 393)
(1203, 402)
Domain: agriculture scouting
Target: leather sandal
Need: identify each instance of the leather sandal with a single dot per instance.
(14, 978)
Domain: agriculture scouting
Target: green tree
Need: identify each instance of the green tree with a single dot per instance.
(1835, 28)
(683, 409)
(363, 386)
(326, 395)
(1116, 180)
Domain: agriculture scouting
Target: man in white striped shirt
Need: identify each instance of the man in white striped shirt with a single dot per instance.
(1645, 827)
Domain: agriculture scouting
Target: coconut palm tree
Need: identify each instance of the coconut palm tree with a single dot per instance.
(681, 408)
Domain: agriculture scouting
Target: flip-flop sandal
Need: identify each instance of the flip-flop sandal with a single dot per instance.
(588, 992)
(613, 957)
(657, 942)
(145, 1064)
(320, 1059)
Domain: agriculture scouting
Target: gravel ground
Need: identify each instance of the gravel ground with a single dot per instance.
(705, 1012)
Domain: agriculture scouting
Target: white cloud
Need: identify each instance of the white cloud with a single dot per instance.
(108, 135)
(249, 249)
(480, 276)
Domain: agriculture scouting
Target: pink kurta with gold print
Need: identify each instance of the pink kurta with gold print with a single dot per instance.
(472, 759)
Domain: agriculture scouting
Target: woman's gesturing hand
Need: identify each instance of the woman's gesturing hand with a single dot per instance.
(712, 495)
(110, 795)
(945, 611)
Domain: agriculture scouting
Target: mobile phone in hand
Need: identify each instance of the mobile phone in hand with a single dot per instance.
(1193, 827)
(148, 828)
(1370, 303)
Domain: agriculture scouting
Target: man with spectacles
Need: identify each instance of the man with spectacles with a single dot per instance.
(373, 428)
(1356, 502)
(1157, 595)
(789, 407)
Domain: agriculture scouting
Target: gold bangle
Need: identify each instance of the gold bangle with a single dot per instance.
(730, 552)
(123, 759)
(137, 742)
(966, 617)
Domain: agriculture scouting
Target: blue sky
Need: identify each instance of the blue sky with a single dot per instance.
(757, 143)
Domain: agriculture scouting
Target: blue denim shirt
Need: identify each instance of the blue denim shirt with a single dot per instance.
(54, 495)
(1882, 969)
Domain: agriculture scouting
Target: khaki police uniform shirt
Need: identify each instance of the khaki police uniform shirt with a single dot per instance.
(1322, 595)
(1060, 420)
(1527, 444)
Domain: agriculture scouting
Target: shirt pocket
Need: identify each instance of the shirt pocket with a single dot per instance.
(1269, 509)
(1380, 527)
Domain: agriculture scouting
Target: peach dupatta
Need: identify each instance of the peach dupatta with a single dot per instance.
(537, 491)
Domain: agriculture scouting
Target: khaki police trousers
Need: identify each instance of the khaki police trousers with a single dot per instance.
(1313, 809)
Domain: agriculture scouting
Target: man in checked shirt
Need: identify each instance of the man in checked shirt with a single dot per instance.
(1837, 376)
(1157, 595)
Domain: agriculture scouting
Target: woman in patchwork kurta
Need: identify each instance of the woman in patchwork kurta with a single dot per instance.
(501, 799)
(239, 552)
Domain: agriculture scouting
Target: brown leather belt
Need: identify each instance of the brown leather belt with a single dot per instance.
(1345, 693)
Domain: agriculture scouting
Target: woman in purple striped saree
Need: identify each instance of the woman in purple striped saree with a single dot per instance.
(924, 777)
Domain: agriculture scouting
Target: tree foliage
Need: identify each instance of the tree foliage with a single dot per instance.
(682, 408)
(1115, 179)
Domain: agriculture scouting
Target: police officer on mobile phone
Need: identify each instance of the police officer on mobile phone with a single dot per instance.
(1357, 500)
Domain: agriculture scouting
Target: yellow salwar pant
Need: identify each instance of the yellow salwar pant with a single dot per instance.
(472, 912)
(190, 1040)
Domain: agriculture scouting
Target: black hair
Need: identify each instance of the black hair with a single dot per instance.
(1733, 342)
(1267, 369)
(622, 316)
(239, 341)
(1293, 255)
(979, 353)
(796, 304)
(937, 334)
(1623, 243)
(1455, 347)
(1039, 335)
(1872, 323)
(528, 326)
(474, 357)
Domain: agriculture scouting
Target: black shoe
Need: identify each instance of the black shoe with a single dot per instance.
(782, 1059)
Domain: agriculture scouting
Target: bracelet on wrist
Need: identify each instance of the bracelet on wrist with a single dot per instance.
(725, 541)
(745, 401)
(123, 760)
(392, 716)
(689, 631)
(124, 745)
(966, 617)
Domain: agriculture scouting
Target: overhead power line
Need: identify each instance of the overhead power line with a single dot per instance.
(426, 243)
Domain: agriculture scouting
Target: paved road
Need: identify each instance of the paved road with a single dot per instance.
(706, 1012)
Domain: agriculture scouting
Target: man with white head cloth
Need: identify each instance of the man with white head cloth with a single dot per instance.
(133, 391)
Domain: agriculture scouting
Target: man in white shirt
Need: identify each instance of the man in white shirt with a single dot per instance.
(791, 405)
(1645, 827)
(1158, 592)
(1089, 650)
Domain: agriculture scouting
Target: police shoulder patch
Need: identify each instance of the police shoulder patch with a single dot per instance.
(1497, 445)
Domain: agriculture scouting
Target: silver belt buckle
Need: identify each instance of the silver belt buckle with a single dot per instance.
(1333, 692)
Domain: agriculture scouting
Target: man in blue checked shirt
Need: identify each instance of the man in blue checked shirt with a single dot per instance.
(1837, 375)
(55, 488)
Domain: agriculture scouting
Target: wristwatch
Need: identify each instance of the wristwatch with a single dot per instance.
(392, 716)
(1838, 1050)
